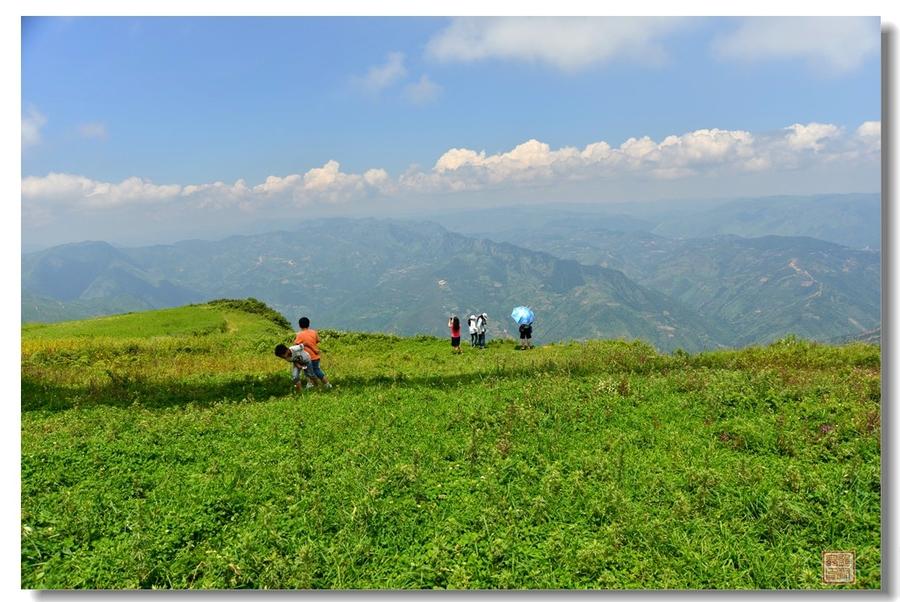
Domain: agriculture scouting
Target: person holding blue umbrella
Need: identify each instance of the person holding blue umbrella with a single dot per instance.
(524, 317)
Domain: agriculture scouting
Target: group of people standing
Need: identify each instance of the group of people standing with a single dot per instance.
(477, 331)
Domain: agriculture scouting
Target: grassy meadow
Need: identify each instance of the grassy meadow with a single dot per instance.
(167, 449)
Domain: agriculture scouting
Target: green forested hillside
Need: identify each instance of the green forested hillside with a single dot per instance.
(583, 278)
(92, 278)
(755, 289)
(167, 449)
(407, 278)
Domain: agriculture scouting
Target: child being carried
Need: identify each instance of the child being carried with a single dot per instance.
(299, 360)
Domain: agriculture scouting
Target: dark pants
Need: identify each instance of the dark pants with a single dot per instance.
(481, 340)
(474, 338)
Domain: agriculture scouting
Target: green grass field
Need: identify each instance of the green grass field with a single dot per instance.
(166, 449)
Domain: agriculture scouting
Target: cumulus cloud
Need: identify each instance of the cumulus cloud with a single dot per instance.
(94, 130)
(456, 158)
(321, 178)
(674, 156)
(422, 91)
(277, 185)
(327, 183)
(834, 45)
(870, 135)
(32, 123)
(219, 195)
(708, 152)
(376, 177)
(382, 76)
(567, 43)
(91, 193)
(320, 184)
(811, 135)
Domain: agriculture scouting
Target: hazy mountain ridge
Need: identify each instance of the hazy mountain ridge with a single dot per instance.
(92, 278)
(851, 220)
(758, 288)
(407, 278)
(583, 279)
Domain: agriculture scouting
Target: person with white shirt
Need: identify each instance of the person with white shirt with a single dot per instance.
(299, 359)
(481, 329)
(473, 330)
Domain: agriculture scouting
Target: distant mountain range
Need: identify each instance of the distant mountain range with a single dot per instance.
(758, 288)
(872, 337)
(583, 278)
(376, 275)
(851, 220)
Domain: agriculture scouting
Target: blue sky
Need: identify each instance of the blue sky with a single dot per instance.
(185, 102)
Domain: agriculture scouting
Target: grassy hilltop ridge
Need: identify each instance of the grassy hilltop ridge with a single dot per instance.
(166, 449)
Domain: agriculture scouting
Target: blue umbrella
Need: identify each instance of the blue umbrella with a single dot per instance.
(522, 315)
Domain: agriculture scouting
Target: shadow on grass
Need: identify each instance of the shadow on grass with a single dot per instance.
(127, 391)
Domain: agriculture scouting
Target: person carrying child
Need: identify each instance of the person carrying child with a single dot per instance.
(309, 338)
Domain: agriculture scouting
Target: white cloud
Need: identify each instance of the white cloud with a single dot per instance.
(32, 122)
(327, 183)
(811, 135)
(323, 177)
(376, 177)
(456, 158)
(320, 184)
(870, 135)
(704, 153)
(276, 184)
(219, 195)
(464, 169)
(596, 152)
(381, 76)
(675, 156)
(567, 43)
(708, 146)
(422, 91)
(57, 187)
(869, 129)
(94, 130)
(835, 45)
(639, 149)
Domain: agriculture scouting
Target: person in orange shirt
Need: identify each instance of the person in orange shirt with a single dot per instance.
(310, 340)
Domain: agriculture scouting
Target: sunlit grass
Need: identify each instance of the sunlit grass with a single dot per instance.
(156, 455)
